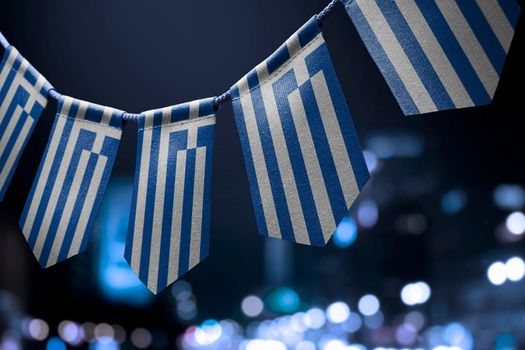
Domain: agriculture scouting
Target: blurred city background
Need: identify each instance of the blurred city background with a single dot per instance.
(430, 257)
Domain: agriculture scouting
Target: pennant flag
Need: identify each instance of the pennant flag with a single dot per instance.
(61, 209)
(170, 218)
(302, 155)
(437, 55)
(23, 97)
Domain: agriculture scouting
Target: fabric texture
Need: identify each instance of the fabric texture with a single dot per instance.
(437, 55)
(62, 206)
(23, 98)
(169, 229)
(302, 155)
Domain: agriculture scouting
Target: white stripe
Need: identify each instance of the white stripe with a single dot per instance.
(46, 169)
(311, 162)
(160, 190)
(89, 203)
(435, 53)
(194, 109)
(284, 163)
(106, 115)
(259, 163)
(142, 189)
(176, 224)
(470, 44)
(338, 149)
(197, 214)
(24, 133)
(397, 56)
(192, 138)
(498, 21)
(69, 206)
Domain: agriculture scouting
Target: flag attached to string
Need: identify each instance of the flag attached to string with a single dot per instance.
(169, 228)
(61, 209)
(437, 55)
(23, 97)
(302, 155)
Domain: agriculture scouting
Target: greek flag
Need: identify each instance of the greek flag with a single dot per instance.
(169, 229)
(23, 97)
(62, 207)
(437, 55)
(302, 155)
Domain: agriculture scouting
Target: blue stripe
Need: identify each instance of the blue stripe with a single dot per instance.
(206, 139)
(50, 181)
(274, 174)
(206, 107)
(454, 52)
(315, 63)
(415, 53)
(308, 32)
(383, 62)
(484, 33)
(85, 142)
(187, 211)
(150, 206)
(512, 11)
(282, 89)
(250, 168)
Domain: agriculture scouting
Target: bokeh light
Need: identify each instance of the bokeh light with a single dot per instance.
(516, 223)
(346, 233)
(252, 306)
(38, 329)
(415, 293)
(314, 318)
(338, 312)
(515, 269)
(368, 305)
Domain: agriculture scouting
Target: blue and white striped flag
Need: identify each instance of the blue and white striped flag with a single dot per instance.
(302, 155)
(169, 229)
(23, 97)
(61, 209)
(437, 55)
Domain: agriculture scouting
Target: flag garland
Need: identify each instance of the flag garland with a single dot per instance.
(302, 155)
(437, 55)
(68, 189)
(169, 228)
(23, 97)
(301, 150)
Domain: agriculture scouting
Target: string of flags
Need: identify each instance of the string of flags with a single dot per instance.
(301, 149)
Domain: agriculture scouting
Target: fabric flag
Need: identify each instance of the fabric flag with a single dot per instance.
(437, 55)
(169, 229)
(302, 155)
(62, 206)
(23, 97)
